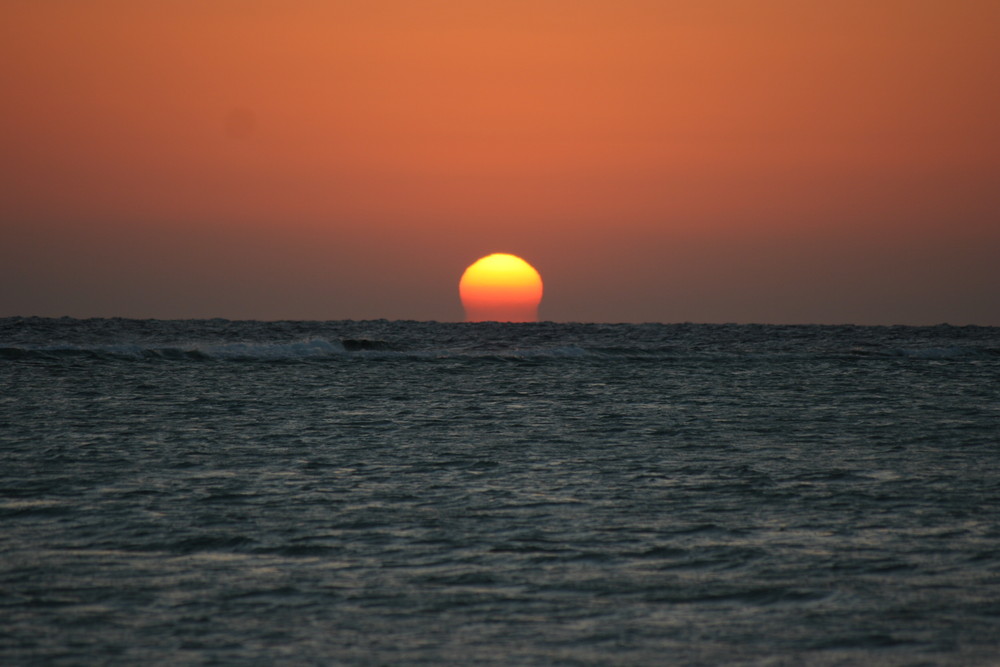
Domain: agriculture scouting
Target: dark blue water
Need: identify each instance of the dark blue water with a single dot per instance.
(418, 493)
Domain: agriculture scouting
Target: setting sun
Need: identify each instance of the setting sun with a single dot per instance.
(501, 288)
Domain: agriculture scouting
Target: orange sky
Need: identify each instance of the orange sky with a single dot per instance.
(656, 160)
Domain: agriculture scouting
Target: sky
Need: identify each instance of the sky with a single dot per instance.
(774, 161)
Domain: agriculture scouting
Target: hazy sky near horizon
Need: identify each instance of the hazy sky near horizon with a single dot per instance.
(773, 161)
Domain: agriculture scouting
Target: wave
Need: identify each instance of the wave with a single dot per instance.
(322, 349)
(931, 353)
(313, 349)
(236, 351)
(302, 350)
(222, 341)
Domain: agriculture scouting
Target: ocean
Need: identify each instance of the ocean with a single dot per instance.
(366, 493)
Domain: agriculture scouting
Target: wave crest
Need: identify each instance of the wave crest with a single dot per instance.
(237, 351)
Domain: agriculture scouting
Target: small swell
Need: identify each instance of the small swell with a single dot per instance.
(930, 353)
(234, 351)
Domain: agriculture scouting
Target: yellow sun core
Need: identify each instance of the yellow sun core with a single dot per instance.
(501, 288)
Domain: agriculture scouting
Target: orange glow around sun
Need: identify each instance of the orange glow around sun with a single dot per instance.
(501, 288)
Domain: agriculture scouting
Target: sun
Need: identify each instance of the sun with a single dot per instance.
(501, 288)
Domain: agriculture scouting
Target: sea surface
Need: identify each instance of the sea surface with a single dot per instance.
(365, 493)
